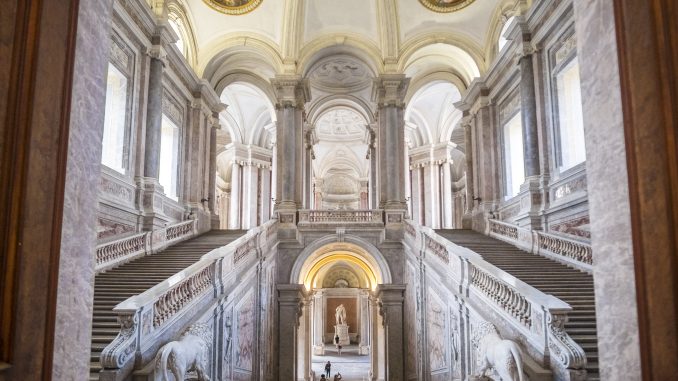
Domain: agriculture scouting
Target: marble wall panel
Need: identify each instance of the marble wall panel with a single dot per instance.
(245, 333)
(411, 343)
(436, 321)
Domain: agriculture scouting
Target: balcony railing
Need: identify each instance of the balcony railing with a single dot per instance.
(373, 217)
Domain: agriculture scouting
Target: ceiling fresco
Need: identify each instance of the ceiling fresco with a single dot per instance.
(234, 7)
(445, 6)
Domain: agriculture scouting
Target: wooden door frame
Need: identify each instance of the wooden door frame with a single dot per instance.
(647, 36)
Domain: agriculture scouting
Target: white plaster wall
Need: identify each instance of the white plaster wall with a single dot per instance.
(347, 16)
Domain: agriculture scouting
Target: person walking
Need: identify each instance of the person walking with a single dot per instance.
(328, 368)
(339, 349)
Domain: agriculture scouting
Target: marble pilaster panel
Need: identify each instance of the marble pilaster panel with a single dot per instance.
(75, 288)
(613, 263)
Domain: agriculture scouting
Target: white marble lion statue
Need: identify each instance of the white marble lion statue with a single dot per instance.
(503, 356)
(190, 353)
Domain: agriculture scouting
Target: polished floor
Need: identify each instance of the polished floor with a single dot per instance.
(352, 366)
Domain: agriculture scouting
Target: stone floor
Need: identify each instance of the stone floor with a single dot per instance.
(352, 366)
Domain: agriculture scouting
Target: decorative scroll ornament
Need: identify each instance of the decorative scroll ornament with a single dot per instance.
(445, 6)
(233, 7)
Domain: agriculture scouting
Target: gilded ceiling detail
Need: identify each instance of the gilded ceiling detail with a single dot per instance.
(233, 7)
(445, 6)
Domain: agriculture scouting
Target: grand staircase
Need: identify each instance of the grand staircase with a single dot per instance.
(115, 286)
(570, 285)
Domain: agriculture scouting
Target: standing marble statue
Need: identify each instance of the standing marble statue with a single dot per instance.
(340, 315)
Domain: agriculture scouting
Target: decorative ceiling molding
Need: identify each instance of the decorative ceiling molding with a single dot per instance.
(233, 7)
(445, 6)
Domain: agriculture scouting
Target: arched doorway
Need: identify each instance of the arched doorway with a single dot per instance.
(341, 282)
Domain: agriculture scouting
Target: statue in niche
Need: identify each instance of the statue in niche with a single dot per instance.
(340, 315)
(190, 353)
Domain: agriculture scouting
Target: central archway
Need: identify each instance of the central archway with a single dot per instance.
(341, 270)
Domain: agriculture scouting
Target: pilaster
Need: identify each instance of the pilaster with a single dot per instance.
(391, 298)
(290, 309)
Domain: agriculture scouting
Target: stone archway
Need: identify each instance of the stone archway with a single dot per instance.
(307, 299)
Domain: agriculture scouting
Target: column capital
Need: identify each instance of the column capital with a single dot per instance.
(390, 90)
(291, 91)
(158, 52)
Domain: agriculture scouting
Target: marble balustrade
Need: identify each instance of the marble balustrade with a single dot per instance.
(568, 251)
(531, 314)
(115, 253)
(147, 320)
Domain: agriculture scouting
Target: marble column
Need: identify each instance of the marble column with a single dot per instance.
(212, 172)
(292, 93)
(389, 93)
(364, 308)
(364, 202)
(308, 170)
(318, 323)
(470, 186)
(154, 112)
(374, 189)
(376, 373)
(290, 309)
(250, 195)
(391, 298)
(432, 197)
(265, 206)
(234, 208)
(528, 112)
(448, 205)
(150, 195)
(417, 214)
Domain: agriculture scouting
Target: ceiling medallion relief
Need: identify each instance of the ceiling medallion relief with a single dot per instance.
(340, 74)
(445, 6)
(233, 7)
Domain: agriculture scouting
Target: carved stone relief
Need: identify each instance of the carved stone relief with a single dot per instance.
(340, 73)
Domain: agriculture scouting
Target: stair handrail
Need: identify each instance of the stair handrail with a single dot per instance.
(114, 253)
(146, 317)
(571, 252)
(537, 316)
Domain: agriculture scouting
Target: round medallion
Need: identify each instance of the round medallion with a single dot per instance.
(445, 6)
(233, 7)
